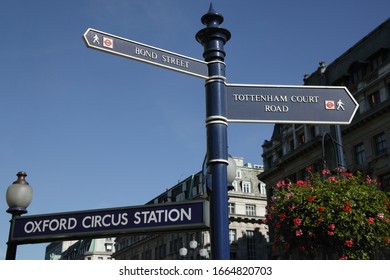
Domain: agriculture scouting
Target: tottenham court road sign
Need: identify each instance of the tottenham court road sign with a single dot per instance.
(192, 215)
(120, 46)
(289, 104)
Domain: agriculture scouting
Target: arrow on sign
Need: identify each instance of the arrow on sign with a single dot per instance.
(289, 104)
(120, 46)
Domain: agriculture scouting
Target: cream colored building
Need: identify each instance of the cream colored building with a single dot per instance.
(86, 249)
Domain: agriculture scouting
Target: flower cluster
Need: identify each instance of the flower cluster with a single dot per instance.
(329, 216)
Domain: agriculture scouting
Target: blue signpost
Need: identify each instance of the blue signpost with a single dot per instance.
(213, 38)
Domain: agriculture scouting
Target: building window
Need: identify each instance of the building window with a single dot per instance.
(269, 162)
(385, 182)
(235, 186)
(180, 197)
(360, 154)
(238, 173)
(250, 210)
(251, 244)
(263, 189)
(312, 131)
(380, 144)
(232, 208)
(232, 235)
(291, 145)
(246, 187)
(373, 99)
(108, 247)
(301, 138)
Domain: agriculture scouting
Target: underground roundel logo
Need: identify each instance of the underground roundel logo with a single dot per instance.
(108, 42)
(330, 105)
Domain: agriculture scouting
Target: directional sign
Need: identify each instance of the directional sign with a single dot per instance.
(120, 46)
(289, 104)
(111, 222)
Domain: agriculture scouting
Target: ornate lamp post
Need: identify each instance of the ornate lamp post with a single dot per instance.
(18, 196)
(193, 245)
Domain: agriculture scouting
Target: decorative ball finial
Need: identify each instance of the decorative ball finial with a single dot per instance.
(21, 177)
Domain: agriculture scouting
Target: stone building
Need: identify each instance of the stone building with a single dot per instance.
(365, 70)
(90, 249)
(363, 145)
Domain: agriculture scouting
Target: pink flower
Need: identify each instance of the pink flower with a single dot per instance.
(282, 216)
(301, 183)
(297, 222)
(333, 179)
(381, 216)
(289, 195)
(371, 220)
(332, 227)
(388, 241)
(325, 172)
(344, 258)
(331, 233)
(348, 243)
(298, 232)
(282, 184)
(347, 174)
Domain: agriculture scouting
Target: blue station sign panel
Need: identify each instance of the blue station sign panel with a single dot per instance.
(290, 104)
(134, 50)
(192, 215)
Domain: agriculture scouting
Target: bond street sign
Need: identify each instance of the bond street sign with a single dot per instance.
(192, 215)
(290, 104)
(120, 46)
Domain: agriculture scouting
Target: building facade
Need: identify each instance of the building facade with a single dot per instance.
(55, 249)
(365, 70)
(247, 234)
(86, 249)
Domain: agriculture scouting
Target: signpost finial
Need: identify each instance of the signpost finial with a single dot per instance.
(212, 18)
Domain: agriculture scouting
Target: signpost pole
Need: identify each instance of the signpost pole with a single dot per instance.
(213, 38)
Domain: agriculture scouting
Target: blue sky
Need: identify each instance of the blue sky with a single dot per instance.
(93, 130)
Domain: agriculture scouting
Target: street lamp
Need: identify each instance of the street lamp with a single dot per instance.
(18, 196)
(193, 245)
